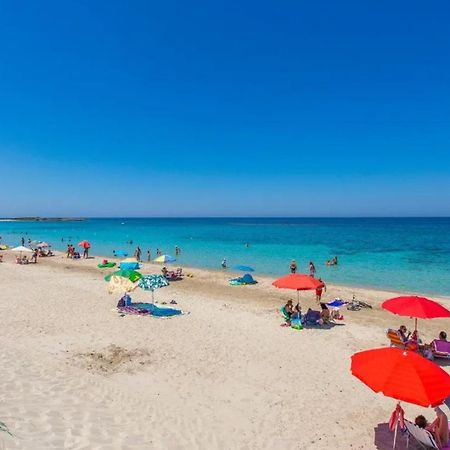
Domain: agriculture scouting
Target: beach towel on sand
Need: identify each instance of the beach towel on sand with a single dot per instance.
(149, 309)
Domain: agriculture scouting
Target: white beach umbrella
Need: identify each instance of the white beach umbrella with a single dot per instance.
(21, 249)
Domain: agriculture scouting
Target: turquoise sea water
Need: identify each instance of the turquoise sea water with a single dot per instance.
(411, 254)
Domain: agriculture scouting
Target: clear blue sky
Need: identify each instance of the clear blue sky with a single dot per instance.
(184, 108)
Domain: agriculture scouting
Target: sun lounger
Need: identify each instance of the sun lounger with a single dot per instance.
(395, 339)
(440, 349)
(422, 436)
(285, 314)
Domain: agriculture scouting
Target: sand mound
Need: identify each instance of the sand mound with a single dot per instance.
(114, 359)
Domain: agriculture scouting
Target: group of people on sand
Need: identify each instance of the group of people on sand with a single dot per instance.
(414, 343)
(72, 252)
(24, 259)
(439, 427)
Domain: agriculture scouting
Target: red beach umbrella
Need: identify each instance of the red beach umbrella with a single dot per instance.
(402, 375)
(414, 306)
(298, 282)
(84, 244)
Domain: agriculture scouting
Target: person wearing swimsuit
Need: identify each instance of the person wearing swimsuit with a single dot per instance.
(438, 428)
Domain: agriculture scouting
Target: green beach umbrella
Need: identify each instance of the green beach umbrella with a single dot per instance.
(132, 275)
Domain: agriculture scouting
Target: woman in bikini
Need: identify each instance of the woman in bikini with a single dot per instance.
(438, 428)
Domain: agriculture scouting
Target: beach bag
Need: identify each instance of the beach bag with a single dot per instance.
(296, 324)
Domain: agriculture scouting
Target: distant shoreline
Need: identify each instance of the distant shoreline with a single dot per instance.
(42, 219)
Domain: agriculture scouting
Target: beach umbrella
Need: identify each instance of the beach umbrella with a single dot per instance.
(164, 259)
(131, 275)
(298, 282)
(21, 249)
(243, 268)
(84, 244)
(120, 285)
(414, 306)
(403, 375)
(152, 282)
(121, 253)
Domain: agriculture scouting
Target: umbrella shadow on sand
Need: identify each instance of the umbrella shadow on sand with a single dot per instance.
(383, 439)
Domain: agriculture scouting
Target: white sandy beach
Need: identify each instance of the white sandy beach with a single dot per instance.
(77, 375)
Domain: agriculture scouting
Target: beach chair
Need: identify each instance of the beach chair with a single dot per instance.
(285, 314)
(422, 436)
(440, 349)
(395, 339)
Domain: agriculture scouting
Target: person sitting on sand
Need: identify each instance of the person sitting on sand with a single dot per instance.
(25, 260)
(438, 428)
(18, 260)
(325, 313)
(164, 271)
(291, 311)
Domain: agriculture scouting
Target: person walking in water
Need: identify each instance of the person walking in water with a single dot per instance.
(23, 241)
(312, 269)
(293, 266)
(177, 250)
(224, 263)
(149, 256)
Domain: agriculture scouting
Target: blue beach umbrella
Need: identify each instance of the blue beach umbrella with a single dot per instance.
(120, 253)
(243, 268)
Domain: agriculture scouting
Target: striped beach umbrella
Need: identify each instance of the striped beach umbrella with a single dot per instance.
(164, 259)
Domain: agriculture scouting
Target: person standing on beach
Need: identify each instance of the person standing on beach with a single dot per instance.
(86, 252)
(23, 241)
(138, 253)
(319, 291)
(293, 266)
(149, 256)
(312, 269)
